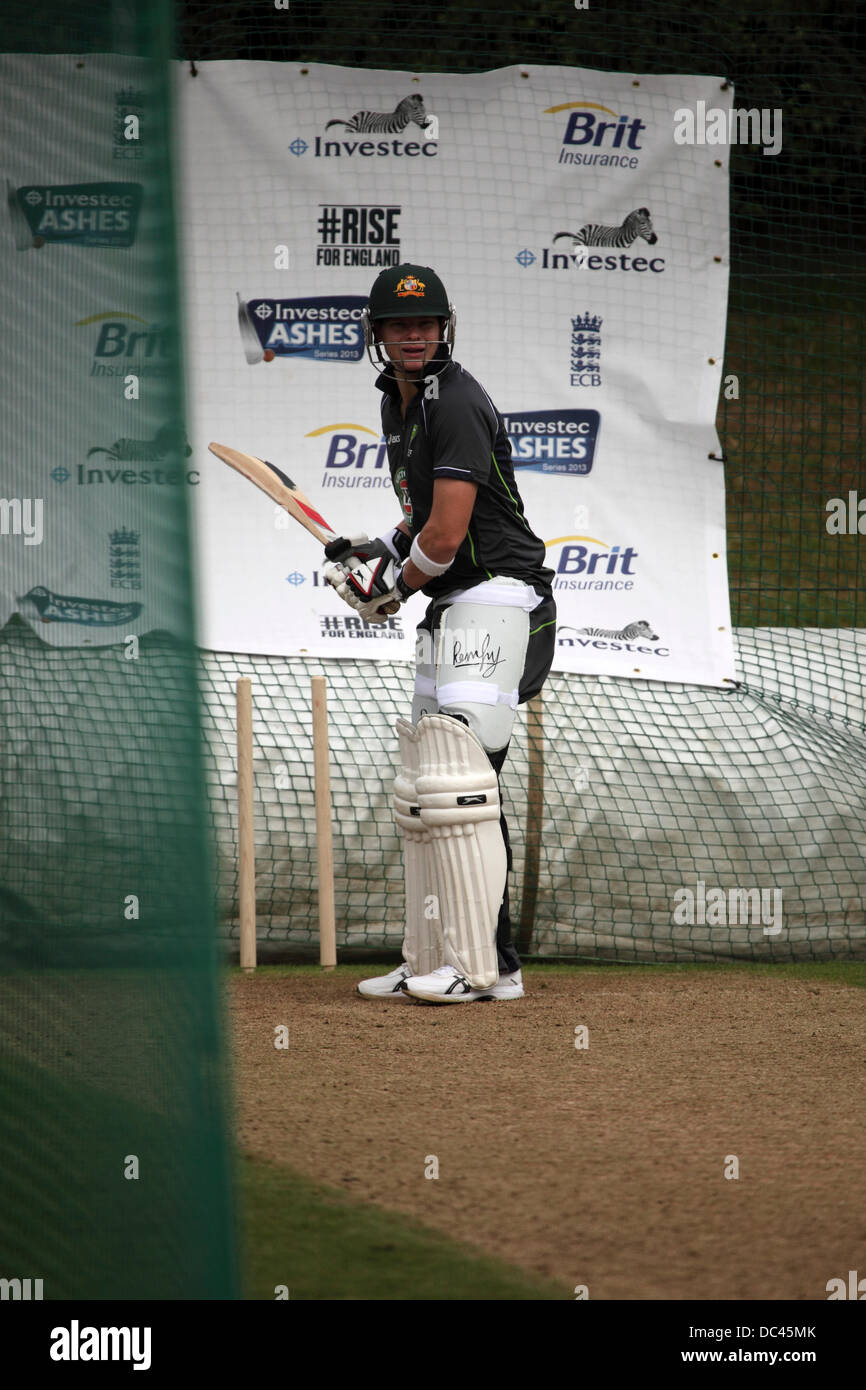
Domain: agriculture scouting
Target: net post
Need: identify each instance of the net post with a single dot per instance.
(324, 842)
(246, 839)
(534, 819)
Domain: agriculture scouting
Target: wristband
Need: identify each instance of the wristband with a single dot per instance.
(428, 567)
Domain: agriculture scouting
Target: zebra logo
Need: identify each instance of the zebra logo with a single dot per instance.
(166, 440)
(387, 122)
(625, 634)
(637, 224)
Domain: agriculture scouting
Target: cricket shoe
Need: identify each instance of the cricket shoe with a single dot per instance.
(447, 986)
(387, 986)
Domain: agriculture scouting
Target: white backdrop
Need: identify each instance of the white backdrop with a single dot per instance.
(607, 371)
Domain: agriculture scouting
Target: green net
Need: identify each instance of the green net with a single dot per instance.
(619, 793)
(793, 433)
(113, 1141)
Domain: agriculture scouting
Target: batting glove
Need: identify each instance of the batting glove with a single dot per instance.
(373, 596)
(365, 578)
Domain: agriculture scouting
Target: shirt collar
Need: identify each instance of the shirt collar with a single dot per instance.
(387, 382)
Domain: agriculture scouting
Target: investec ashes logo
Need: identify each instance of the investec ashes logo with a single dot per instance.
(42, 605)
(363, 234)
(326, 328)
(595, 134)
(553, 441)
(76, 214)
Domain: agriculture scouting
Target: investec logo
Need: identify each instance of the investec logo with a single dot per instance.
(595, 134)
(386, 126)
(355, 456)
(614, 241)
(553, 441)
(125, 343)
(326, 328)
(585, 562)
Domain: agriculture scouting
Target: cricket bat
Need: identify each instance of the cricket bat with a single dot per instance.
(280, 488)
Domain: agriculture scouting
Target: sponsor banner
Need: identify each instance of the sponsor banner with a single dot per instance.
(94, 465)
(585, 252)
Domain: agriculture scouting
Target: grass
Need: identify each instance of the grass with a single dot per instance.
(793, 440)
(323, 1244)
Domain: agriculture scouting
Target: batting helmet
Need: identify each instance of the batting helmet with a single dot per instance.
(408, 291)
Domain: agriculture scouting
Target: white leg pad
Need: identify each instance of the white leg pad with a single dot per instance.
(458, 793)
(422, 939)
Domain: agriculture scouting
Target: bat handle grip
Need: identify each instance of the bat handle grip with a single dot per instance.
(338, 549)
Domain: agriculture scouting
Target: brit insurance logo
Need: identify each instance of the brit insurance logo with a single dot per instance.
(600, 246)
(358, 234)
(378, 133)
(127, 344)
(74, 214)
(324, 328)
(597, 135)
(586, 562)
(352, 456)
(553, 441)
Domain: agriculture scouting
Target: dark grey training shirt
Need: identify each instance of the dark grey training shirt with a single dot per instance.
(462, 435)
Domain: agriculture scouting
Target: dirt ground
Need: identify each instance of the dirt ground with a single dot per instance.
(602, 1166)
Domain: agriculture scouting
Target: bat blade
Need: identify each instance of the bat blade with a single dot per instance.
(280, 488)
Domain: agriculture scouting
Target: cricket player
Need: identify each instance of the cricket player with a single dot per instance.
(484, 644)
